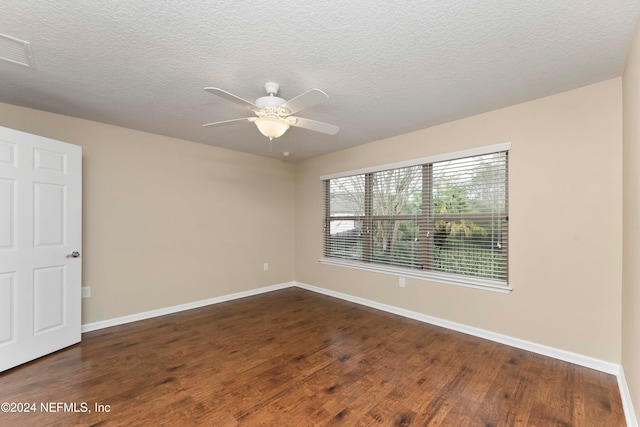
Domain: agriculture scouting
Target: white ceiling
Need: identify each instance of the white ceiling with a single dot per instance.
(388, 67)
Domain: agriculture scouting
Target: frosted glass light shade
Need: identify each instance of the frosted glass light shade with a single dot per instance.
(271, 127)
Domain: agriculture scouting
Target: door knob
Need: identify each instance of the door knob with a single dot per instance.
(75, 254)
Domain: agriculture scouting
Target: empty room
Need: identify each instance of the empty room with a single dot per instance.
(365, 213)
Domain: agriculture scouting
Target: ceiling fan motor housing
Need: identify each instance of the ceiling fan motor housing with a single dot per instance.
(269, 104)
(269, 101)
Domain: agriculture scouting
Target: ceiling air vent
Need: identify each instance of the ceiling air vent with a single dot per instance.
(16, 51)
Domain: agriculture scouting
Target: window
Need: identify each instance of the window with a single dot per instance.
(444, 218)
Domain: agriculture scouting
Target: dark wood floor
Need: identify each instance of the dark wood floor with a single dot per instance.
(296, 358)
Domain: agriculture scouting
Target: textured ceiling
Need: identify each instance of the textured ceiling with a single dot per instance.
(388, 67)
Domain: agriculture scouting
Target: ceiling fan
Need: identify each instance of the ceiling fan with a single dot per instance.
(274, 114)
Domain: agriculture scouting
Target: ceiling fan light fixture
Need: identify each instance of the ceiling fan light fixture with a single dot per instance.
(271, 127)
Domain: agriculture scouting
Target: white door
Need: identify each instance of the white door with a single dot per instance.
(40, 229)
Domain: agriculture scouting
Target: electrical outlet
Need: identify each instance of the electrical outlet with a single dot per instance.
(401, 282)
(86, 291)
(266, 266)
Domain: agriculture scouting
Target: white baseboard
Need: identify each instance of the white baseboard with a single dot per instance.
(629, 413)
(88, 327)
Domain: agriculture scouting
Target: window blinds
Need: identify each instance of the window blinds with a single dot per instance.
(449, 217)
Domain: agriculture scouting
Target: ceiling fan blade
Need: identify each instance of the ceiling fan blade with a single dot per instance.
(313, 125)
(231, 97)
(306, 100)
(226, 122)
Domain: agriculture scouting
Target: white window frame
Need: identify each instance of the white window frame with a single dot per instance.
(434, 276)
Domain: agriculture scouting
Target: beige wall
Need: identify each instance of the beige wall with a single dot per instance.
(565, 222)
(631, 214)
(168, 221)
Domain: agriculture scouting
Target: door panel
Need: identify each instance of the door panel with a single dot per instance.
(48, 298)
(7, 322)
(7, 153)
(7, 216)
(40, 226)
(49, 216)
(50, 160)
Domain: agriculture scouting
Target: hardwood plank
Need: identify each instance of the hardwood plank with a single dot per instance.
(296, 358)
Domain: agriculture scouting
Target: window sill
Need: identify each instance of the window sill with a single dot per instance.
(450, 279)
